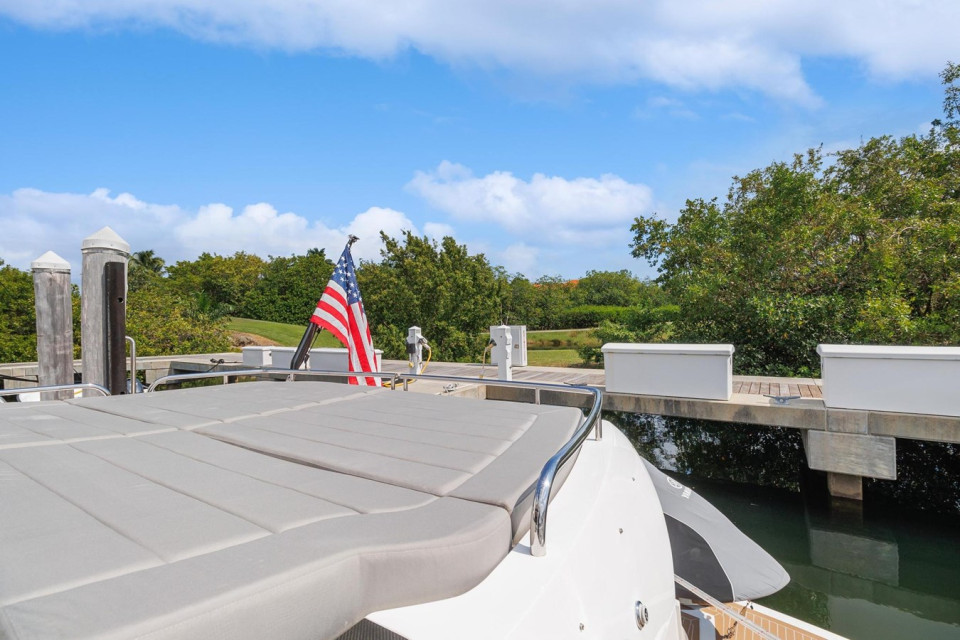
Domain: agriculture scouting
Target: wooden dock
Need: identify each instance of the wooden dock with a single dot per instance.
(748, 405)
(709, 623)
(742, 385)
(847, 444)
(751, 385)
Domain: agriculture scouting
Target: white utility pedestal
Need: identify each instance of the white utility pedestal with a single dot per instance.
(502, 351)
(518, 332)
(415, 342)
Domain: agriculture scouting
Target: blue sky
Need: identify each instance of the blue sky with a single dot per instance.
(531, 131)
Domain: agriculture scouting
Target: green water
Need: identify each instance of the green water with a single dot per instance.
(876, 571)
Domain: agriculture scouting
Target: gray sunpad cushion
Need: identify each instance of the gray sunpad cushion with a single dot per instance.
(480, 450)
(159, 524)
(196, 407)
(361, 494)
(413, 440)
(38, 423)
(310, 582)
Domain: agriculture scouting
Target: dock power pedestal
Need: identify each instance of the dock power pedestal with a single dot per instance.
(415, 344)
(502, 352)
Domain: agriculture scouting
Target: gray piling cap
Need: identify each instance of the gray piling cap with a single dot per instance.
(50, 262)
(106, 238)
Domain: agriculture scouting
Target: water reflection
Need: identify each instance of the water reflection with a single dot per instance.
(874, 572)
(768, 456)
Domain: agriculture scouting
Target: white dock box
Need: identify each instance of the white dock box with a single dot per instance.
(328, 359)
(322, 359)
(335, 359)
(257, 356)
(891, 378)
(672, 370)
(282, 357)
(518, 357)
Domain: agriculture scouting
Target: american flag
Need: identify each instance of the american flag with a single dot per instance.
(340, 311)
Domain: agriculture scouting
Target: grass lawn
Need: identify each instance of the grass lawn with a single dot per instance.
(553, 358)
(565, 339)
(288, 335)
(544, 348)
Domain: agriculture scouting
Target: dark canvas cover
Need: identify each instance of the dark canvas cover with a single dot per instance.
(709, 551)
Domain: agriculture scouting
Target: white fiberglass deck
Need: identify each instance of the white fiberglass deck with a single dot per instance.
(256, 510)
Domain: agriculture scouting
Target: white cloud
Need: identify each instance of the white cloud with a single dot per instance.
(592, 211)
(696, 44)
(521, 258)
(671, 106)
(736, 116)
(368, 226)
(36, 221)
(438, 230)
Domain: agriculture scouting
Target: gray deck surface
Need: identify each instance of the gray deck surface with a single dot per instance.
(256, 510)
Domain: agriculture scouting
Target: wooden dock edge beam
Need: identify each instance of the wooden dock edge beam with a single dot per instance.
(836, 441)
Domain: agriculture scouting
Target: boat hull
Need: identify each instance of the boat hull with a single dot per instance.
(607, 550)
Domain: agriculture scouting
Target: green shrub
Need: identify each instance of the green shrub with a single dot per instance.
(640, 324)
(588, 316)
(166, 323)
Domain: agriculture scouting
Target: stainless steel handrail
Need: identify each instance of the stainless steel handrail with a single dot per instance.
(544, 488)
(536, 386)
(257, 373)
(541, 496)
(133, 364)
(88, 386)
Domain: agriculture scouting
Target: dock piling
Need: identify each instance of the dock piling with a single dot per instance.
(99, 249)
(54, 310)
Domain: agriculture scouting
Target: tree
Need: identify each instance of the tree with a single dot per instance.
(144, 267)
(451, 295)
(18, 323)
(288, 289)
(165, 322)
(520, 303)
(864, 250)
(217, 284)
(607, 288)
(553, 296)
(148, 260)
(950, 76)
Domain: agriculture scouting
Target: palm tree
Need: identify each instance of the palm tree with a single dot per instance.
(148, 260)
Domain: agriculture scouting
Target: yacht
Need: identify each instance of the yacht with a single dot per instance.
(291, 507)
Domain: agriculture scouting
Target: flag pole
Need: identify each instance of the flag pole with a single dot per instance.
(300, 355)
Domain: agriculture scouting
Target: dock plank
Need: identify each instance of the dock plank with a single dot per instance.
(726, 627)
